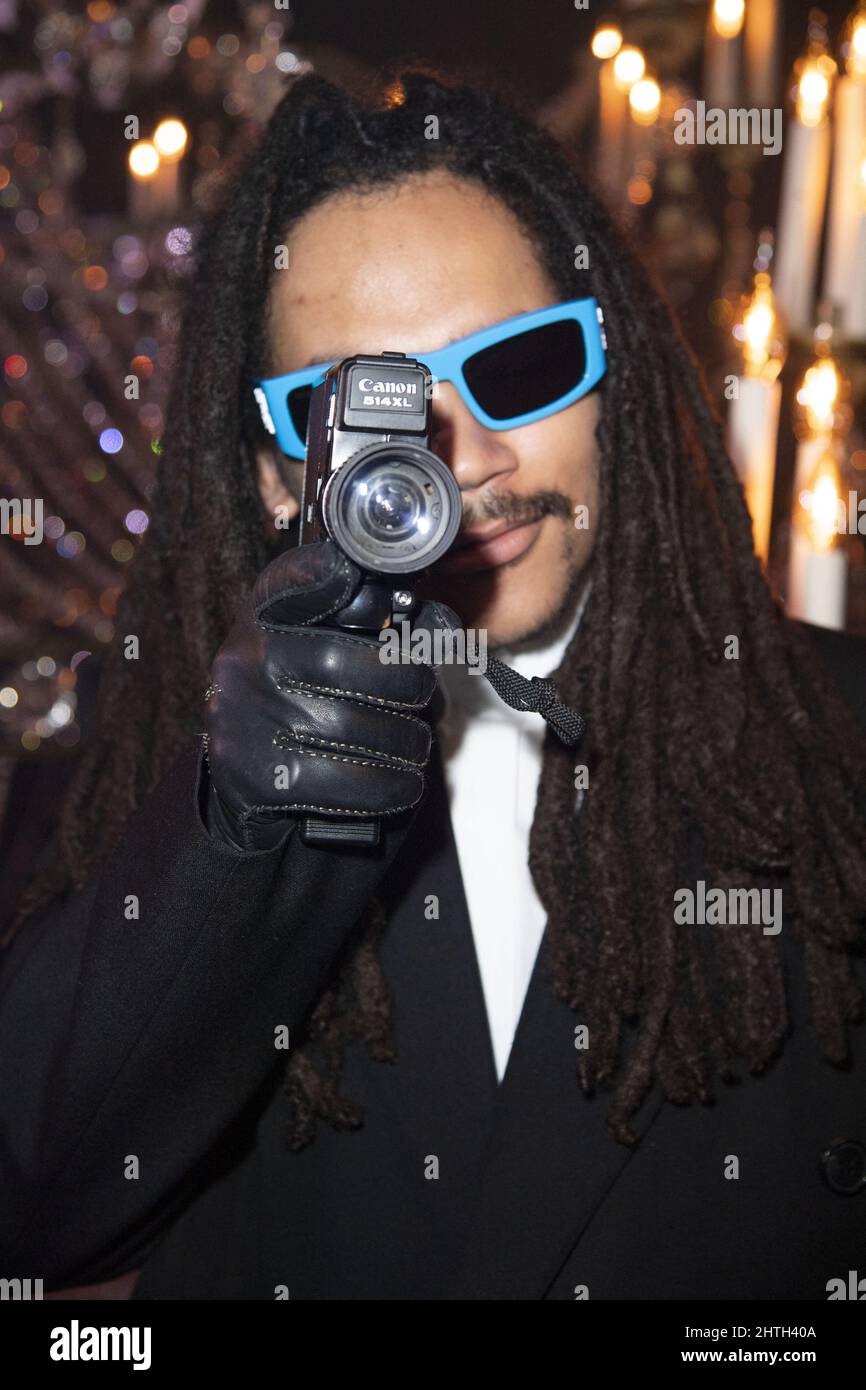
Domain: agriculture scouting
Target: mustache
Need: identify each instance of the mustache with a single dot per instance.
(519, 510)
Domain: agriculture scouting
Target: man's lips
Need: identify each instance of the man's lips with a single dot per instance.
(495, 545)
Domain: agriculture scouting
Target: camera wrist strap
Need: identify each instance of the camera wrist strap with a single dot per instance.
(538, 696)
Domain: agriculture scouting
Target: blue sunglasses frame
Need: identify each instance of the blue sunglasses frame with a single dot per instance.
(446, 364)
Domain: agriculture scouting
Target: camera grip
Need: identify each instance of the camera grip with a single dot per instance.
(319, 830)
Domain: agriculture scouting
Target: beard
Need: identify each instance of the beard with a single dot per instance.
(520, 510)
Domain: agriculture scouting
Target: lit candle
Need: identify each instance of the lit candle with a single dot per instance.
(644, 100)
(818, 569)
(753, 420)
(804, 191)
(629, 67)
(845, 278)
(170, 140)
(854, 307)
(606, 43)
(817, 561)
(722, 53)
(143, 166)
(761, 41)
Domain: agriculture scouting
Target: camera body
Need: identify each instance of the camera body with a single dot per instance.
(371, 482)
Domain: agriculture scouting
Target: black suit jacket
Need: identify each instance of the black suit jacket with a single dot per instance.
(143, 1123)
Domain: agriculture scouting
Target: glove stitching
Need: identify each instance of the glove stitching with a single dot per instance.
(286, 684)
(360, 696)
(387, 758)
(334, 810)
(341, 758)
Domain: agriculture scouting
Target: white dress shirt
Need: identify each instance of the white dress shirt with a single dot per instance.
(492, 760)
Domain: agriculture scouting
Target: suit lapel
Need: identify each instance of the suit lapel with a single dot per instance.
(443, 1092)
(549, 1161)
(541, 1151)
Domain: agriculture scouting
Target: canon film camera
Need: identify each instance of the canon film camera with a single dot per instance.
(372, 484)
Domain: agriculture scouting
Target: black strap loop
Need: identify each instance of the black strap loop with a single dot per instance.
(538, 696)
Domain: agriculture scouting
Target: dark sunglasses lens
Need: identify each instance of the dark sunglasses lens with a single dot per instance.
(299, 409)
(527, 371)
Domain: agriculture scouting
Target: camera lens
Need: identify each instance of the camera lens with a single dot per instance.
(393, 507)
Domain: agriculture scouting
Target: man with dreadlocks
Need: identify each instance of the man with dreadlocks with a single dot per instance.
(514, 1070)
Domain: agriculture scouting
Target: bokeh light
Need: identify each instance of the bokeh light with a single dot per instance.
(111, 441)
(170, 138)
(143, 160)
(606, 41)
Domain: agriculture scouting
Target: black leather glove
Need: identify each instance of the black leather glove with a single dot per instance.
(306, 719)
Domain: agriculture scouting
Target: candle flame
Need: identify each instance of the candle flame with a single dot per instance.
(629, 66)
(170, 139)
(813, 92)
(855, 63)
(606, 41)
(645, 99)
(818, 394)
(728, 17)
(759, 331)
(821, 503)
(143, 160)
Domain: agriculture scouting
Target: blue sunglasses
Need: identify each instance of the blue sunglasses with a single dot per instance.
(512, 374)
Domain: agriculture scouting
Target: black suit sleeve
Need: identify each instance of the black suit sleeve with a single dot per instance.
(133, 1044)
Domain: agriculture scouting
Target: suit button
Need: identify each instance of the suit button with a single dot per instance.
(844, 1166)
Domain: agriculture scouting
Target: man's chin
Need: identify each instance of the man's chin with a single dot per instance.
(483, 602)
(507, 625)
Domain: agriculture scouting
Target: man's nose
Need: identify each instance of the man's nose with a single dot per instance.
(474, 454)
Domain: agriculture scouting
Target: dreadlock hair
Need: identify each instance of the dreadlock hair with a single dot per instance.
(746, 755)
